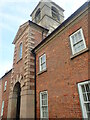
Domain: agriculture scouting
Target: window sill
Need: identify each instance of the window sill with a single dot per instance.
(79, 53)
(40, 72)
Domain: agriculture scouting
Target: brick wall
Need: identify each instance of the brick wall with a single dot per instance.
(63, 73)
(5, 94)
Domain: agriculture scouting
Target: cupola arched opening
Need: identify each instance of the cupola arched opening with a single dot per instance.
(55, 13)
(38, 15)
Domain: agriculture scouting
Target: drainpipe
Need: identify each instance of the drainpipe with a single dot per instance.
(35, 80)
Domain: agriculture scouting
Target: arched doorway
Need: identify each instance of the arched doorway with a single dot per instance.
(16, 101)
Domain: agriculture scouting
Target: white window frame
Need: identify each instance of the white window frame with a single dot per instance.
(83, 108)
(2, 109)
(41, 115)
(40, 64)
(5, 85)
(71, 41)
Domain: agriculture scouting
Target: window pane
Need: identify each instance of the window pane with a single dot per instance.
(82, 46)
(20, 51)
(87, 106)
(3, 104)
(45, 114)
(79, 35)
(44, 102)
(43, 108)
(88, 116)
(79, 46)
(5, 85)
(74, 47)
(76, 38)
(43, 59)
(42, 96)
(73, 40)
(88, 95)
(85, 97)
(83, 88)
(87, 87)
(43, 66)
(81, 43)
(45, 96)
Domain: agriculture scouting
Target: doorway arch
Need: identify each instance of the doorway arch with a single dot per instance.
(16, 101)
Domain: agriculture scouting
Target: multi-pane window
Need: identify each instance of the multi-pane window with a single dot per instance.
(44, 104)
(84, 94)
(5, 85)
(2, 108)
(20, 51)
(42, 62)
(55, 13)
(77, 41)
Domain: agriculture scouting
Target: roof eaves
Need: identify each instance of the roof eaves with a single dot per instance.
(15, 39)
(38, 25)
(6, 73)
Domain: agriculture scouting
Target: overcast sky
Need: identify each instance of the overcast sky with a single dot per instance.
(13, 13)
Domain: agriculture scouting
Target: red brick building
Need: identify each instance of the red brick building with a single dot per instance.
(22, 86)
(61, 74)
(45, 17)
(4, 93)
(62, 69)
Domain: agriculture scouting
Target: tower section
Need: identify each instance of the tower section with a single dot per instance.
(48, 14)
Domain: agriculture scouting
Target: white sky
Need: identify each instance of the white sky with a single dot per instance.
(13, 13)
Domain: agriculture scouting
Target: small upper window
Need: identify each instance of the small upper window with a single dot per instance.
(55, 13)
(42, 62)
(37, 15)
(20, 51)
(77, 41)
(2, 108)
(84, 94)
(5, 85)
